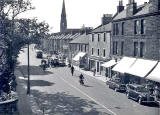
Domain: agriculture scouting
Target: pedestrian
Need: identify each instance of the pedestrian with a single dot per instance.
(72, 70)
(94, 72)
(156, 92)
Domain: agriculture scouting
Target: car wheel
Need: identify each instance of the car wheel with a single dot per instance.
(109, 86)
(140, 101)
(116, 89)
(128, 96)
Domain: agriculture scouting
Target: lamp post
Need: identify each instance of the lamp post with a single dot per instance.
(28, 82)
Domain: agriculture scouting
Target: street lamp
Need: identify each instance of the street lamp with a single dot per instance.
(28, 82)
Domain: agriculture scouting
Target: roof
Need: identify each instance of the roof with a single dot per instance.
(64, 36)
(81, 39)
(103, 28)
(141, 9)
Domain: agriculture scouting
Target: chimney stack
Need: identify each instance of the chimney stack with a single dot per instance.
(120, 7)
(107, 18)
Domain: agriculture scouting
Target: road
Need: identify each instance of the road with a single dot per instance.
(56, 92)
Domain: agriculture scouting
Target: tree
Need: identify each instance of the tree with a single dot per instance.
(17, 33)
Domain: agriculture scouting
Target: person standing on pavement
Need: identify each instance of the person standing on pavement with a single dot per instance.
(72, 70)
(94, 72)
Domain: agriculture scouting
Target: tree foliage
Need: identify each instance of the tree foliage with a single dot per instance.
(16, 33)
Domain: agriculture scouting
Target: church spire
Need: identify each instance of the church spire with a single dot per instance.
(63, 24)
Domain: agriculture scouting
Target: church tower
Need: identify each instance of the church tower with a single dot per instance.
(63, 24)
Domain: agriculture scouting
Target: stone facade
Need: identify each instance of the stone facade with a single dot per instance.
(99, 47)
(147, 33)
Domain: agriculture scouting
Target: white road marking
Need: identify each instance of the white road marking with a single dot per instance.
(88, 96)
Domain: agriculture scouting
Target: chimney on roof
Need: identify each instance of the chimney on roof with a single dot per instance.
(155, 6)
(107, 18)
(120, 7)
(131, 8)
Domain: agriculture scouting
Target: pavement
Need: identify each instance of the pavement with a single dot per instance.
(89, 73)
(57, 92)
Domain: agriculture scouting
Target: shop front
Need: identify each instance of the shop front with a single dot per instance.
(121, 67)
(107, 68)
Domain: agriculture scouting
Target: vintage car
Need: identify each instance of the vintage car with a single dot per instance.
(139, 93)
(39, 54)
(116, 85)
(61, 62)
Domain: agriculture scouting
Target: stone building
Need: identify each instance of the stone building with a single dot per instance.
(79, 48)
(136, 34)
(99, 45)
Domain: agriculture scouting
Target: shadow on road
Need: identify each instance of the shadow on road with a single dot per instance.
(40, 83)
(87, 85)
(64, 104)
(34, 70)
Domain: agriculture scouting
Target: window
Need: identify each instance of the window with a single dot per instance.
(142, 26)
(104, 37)
(92, 37)
(123, 28)
(98, 38)
(135, 27)
(135, 49)
(85, 48)
(115, 47)
(104, 52)
(117, 29)
(92, 51)
(79, 47)
(98, 52)
(141, 49)
(122, 48)
(114, 29)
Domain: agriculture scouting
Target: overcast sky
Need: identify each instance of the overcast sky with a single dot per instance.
(79, 12)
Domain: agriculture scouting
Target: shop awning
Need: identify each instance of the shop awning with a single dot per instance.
(77, 57)
(109, 63)
(155, 74)
(123, 65)
(141, 67)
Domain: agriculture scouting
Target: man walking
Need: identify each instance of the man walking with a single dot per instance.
(72, 70)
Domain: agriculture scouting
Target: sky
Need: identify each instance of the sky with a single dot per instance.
(79, 12)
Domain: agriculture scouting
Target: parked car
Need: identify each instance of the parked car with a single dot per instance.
(116, 85)
(139, 93)
(39, 54)
(61, 62)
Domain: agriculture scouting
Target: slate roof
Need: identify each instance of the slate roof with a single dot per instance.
(83, 39)
(141, 9)
(64, 36)
(103, 28)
